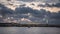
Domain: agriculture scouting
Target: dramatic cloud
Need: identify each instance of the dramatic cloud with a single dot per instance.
(49, 5)
(4, 10)
(55, 15)
(32, 14)
(38, 16)
(8, 0)
(48, 1)
(26, 0)
(26, 10)
(22, 5)
(56, 5)
(33, 4)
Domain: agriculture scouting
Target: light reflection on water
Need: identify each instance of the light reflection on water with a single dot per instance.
(32, 30)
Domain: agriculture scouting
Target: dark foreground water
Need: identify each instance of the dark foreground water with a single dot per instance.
(32, 30)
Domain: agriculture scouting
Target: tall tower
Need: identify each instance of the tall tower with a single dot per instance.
(46, 19)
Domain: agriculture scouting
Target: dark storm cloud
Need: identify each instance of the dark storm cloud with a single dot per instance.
(32, 4)
(49, 5)
(8, 0)
(56, 5)
(55, 21)
(4, 10)
(46, 5)
(26, 0)
(55, 15)
(38, 15)
(26, 10)
(54, 18)
(47, 1)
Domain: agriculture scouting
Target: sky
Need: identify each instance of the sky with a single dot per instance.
(16, 3)
(55, 1)
(31, 10)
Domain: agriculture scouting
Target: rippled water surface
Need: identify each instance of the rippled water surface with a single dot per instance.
(32, 30)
